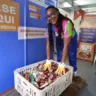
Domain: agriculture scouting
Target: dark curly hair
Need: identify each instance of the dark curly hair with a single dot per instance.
(59, 26)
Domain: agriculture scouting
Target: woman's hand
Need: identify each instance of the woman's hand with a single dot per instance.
(47, 65)
(61, 69)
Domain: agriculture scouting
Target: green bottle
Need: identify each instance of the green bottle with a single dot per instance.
(32, 78)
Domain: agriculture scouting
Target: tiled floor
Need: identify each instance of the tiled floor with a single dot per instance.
(87, 71)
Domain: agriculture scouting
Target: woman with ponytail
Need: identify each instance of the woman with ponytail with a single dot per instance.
(61, 34)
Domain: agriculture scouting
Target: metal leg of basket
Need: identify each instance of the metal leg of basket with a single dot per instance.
(95, 59)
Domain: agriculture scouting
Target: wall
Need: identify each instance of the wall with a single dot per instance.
(11, 53)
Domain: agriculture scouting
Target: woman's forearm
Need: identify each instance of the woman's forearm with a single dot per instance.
(64, 54)
(48, 52)
(48, 49)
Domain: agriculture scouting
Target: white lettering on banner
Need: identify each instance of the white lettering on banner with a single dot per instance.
(6, 19)
(8, 9)
(31, 32)
(7, 27)
(12, 10)
(5, 8)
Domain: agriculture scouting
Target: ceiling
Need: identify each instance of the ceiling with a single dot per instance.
(70, 5)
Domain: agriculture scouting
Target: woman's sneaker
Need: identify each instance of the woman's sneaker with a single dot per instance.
(75, 74)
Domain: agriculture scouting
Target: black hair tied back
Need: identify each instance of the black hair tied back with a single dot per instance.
(59, 26)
